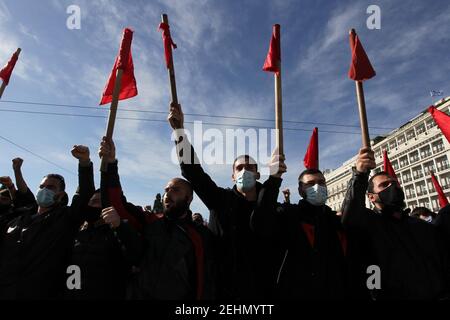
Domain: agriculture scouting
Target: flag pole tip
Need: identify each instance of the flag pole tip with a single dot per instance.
(352, 31)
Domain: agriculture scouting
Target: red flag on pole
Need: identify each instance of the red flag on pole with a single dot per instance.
(442, 120)
(7, 70)
(124, 61)
(168, 43)
(360, 68)
(311, 160)
(273, 58)
(387, 166)
(442, 198)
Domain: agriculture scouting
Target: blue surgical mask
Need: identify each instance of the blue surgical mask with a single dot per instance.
(317, 195)
(45, 197)
(246, 180)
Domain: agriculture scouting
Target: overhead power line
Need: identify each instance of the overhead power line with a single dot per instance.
(124, 109)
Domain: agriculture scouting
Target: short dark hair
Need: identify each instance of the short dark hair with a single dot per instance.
(371, 186)
(60, 178)
(422, 211)
(247, 158)
(305, 172)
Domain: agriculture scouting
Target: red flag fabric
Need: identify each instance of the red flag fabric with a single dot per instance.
(7, 70)
(360, 67)
(442, 120)
(387, 166)
(311, 160)
(443, 201)
(273, 59)
(167, 42)
(124, 61)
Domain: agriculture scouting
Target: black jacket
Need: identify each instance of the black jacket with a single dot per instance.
(408, 251)
(99, 252)
(174, 257)
(313, 265)
(35, 249)
(24, 203)
(240, 253)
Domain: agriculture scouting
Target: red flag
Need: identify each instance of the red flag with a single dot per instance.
(311, 159)
(442, 198)
(124, 61)
(442, 120)
(387, 166)
(273, 58)
(360, 67)
(7, 70)
(168, 43)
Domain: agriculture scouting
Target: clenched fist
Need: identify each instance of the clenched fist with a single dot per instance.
(175, 117)
(81, 153)
(17, 163)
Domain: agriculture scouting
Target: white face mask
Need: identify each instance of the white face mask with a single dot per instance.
(246, 180)
(317, 195)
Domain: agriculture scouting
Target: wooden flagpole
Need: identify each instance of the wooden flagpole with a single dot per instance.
(171, 69)
(3, 86)
(112, 113)
(278, 99)
(361, 102)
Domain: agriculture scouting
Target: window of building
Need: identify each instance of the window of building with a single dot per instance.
(428, 166)
(401, 139)
(410, 134)
(421, 189)
(438, 146)
(430, 123)
(392, 144)
(425, 152)
(417, 172)
(404, 161)
(414, 156)
(406, 176)
(442, 163)
(420, 128)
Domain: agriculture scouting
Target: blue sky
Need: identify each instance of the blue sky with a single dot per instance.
(221, 49)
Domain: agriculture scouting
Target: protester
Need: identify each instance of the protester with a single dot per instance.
(409, 252)
(173, 254)
(15, 202)
(313, 264)
(243, 257)
(35, 248)
(157, 204)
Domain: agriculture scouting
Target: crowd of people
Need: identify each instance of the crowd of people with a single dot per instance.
(252, 248)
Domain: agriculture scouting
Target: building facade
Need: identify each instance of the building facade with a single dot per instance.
(414, 149)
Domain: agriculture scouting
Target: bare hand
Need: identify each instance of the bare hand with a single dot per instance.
(17, 163)
(276, 165)
(176, 117)
(111, 217)
(366, 160)
(107, 150)
(81, 153)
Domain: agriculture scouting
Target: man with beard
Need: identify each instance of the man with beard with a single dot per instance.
(35, 248)
(244, 259)
(408, 252)
(173, 254)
